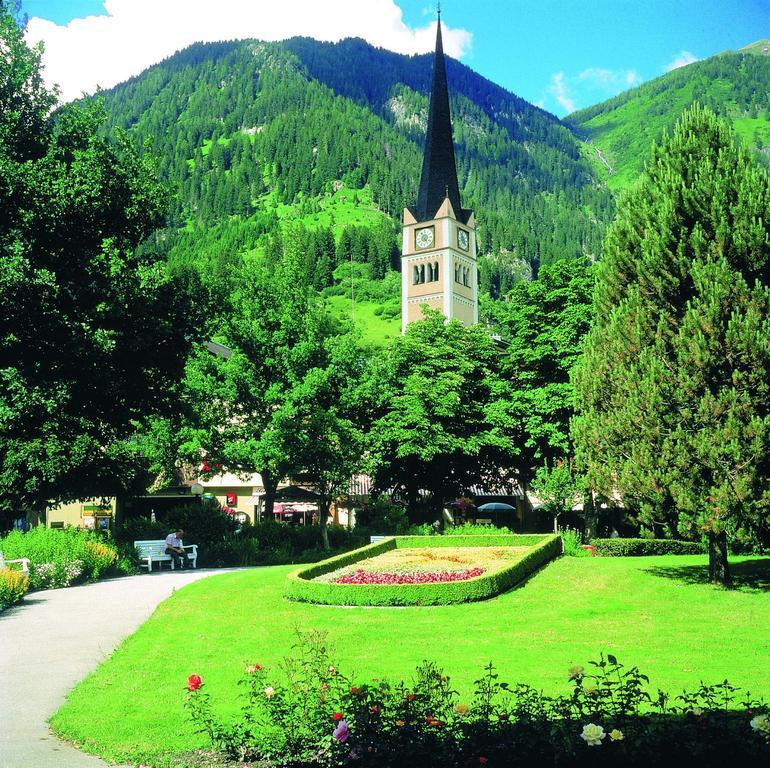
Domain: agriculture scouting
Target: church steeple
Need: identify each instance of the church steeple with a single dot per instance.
(438, 253)
(439, 170)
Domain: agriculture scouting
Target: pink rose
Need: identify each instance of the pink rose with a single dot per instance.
(194, 682)
(341, 732)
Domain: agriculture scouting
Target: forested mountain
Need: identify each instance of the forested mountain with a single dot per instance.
(244, 129)
(735, 85)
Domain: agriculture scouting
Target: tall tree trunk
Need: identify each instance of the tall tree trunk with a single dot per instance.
(271, 486)
(590, 516)
(719, 568)
(323, 516)
(120, 509)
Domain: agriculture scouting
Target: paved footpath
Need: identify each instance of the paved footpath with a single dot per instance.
(53, 640)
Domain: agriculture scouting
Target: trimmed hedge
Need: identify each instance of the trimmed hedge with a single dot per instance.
(301, 587)
(638, 547)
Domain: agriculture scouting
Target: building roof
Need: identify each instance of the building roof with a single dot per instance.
(439, 170)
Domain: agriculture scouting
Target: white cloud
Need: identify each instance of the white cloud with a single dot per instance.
(682, 59)
(611, 79)
(560, 91)
(134, 34)
(590, 86)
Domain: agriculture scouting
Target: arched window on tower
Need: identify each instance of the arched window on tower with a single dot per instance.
(422, 273)
(457, 273)
(435, 270)
(415, 275)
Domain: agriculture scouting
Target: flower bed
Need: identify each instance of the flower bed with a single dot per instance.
(610, 716)
(360, 576)
(313, 584)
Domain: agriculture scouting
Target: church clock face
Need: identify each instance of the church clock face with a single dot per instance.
(424, 237)
(462, 239)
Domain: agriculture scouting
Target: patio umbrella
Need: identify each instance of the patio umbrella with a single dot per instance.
(496, 506)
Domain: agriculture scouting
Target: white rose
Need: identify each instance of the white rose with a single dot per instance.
(593, 735)
(269, 691)
(761, 723)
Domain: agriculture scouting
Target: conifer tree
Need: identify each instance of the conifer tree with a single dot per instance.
(673, 388)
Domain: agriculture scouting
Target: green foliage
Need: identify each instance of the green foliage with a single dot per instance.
(632, 547)
(572, 541)
(270, 543)
(558, 486)
(381, 515)
(300, 584)
(733, 85)
(544, 322)
(234, 123)
(75, 294)
(60, 557)
(673, 389)
(313, 715)
(438, 411)
(13, 586)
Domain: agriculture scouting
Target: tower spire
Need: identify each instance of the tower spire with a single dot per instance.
(439, 170)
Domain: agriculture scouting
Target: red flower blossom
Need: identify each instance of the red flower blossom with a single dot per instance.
(482, 760)
(194, 682)
(410, 697)
(361, 576)
(374, 710)
(337, 716)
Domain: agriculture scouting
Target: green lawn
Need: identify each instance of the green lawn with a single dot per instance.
(654, 612)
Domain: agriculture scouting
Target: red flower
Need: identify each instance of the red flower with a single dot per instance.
(374, 710)
(410, 697)
(194, 682)
(482, 760)
(354, 690)
(337, 716)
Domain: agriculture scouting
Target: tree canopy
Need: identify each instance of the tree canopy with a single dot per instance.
(92, 332)
(673, 389)
(439, 412)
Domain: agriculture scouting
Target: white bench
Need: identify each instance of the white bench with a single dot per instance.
(155, 552)
(23, 560)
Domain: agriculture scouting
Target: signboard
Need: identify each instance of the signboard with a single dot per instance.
(232, 499)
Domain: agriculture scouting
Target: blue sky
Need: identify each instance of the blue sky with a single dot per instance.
(560, 54)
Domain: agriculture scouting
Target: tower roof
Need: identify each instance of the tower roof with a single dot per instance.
(439, 170)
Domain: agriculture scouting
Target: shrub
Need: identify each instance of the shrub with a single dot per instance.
(205, 524)
(60, 557)
(314, 716)
(302, 587)
(635, 547)
(573, 543)
(13, 586)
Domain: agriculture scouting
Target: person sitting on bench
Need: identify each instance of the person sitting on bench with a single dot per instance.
(175, 548)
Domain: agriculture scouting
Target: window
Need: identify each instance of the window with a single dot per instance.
(415, 276)
(457, 273)
(435, 270)
(422, 273)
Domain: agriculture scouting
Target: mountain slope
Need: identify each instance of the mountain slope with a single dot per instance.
(245, 127)
(734, 84)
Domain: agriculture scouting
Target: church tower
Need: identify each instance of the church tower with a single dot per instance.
(438, 255)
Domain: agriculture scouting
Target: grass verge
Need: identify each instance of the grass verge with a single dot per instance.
(656, 612)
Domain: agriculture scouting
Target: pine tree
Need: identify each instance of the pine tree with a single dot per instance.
(673, 389)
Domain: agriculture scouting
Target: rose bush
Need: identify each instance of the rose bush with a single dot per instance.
(315, 717)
